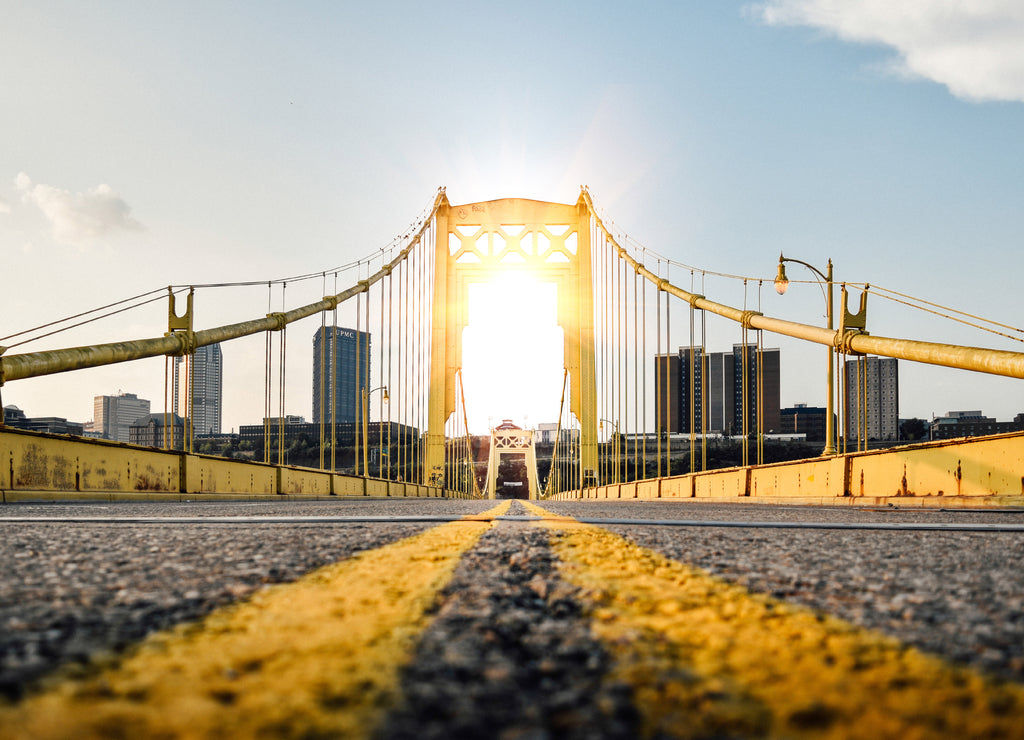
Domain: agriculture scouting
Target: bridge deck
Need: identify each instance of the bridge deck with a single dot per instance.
(375, 618)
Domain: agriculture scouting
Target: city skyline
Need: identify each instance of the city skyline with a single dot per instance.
(718, 135)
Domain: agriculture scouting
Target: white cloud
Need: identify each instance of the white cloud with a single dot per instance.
(78, 218)
(5, 207)
(973, 47)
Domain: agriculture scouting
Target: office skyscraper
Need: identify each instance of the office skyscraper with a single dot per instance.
(113, 415)
(207, 389)
(882, 399)
(341, 371)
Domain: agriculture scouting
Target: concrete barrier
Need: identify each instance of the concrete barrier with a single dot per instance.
(205, 474)
(303, 481)
(347, 485)
(984, 471)
(44, 462)
(811, 478)
(721, 484)
(40, 466)
(982, 467)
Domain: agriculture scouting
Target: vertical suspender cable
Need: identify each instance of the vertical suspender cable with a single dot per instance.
(858, 365)
(858, 368)
(605, 352)
(609, 392)
(190, 403)
(846, 404)
(334, 381)
(323, 388)
(668, 350)
(745, 393)
(660, 365)
(692, 386)
(380, 410)
(864, 402)
(414, 360)
(367, 379)
(426, 284)
(167, 362)
(759, 388)
(418, 473)
(421, 369)
(704, 369)
(636, 379)
(358, 381)
(470, 456)
(280, 382)
(552, 482)
(268, 346)
(643, 382)
(402, 358)
(623, 414)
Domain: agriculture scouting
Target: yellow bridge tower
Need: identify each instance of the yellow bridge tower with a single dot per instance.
(474, 242)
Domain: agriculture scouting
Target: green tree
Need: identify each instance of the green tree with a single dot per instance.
(912, 429)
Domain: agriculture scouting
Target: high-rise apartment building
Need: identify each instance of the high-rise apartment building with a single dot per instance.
(878, 394)
(341, 371)
(113, 415)
(691, 383)
(746, 357)
(721, 370)
(207, 389)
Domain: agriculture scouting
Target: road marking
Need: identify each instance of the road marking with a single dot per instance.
(319, 657)
(709, 658)
(318, 520)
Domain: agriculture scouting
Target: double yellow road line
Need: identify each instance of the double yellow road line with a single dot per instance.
(322, 657)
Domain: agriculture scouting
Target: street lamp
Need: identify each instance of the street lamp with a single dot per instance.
(615, 435)
(781, 284)
(366, 424)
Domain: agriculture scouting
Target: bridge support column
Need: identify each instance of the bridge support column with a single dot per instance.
(441, 403)
(584, 381)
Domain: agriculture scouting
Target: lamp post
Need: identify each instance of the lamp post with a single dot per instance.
(781, 284)
(366, 424)
(615, 435)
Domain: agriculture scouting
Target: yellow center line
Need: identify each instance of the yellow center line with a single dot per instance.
(709, 658)
(319, 657)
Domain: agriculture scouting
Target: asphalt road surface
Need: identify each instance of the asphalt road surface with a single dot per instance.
(514, 641)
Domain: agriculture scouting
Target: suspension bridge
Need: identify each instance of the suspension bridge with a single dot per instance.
(630, 424)
(153, 589)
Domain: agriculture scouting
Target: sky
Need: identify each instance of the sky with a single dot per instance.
(147, 144)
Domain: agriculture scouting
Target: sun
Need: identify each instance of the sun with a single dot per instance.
(512, 351)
